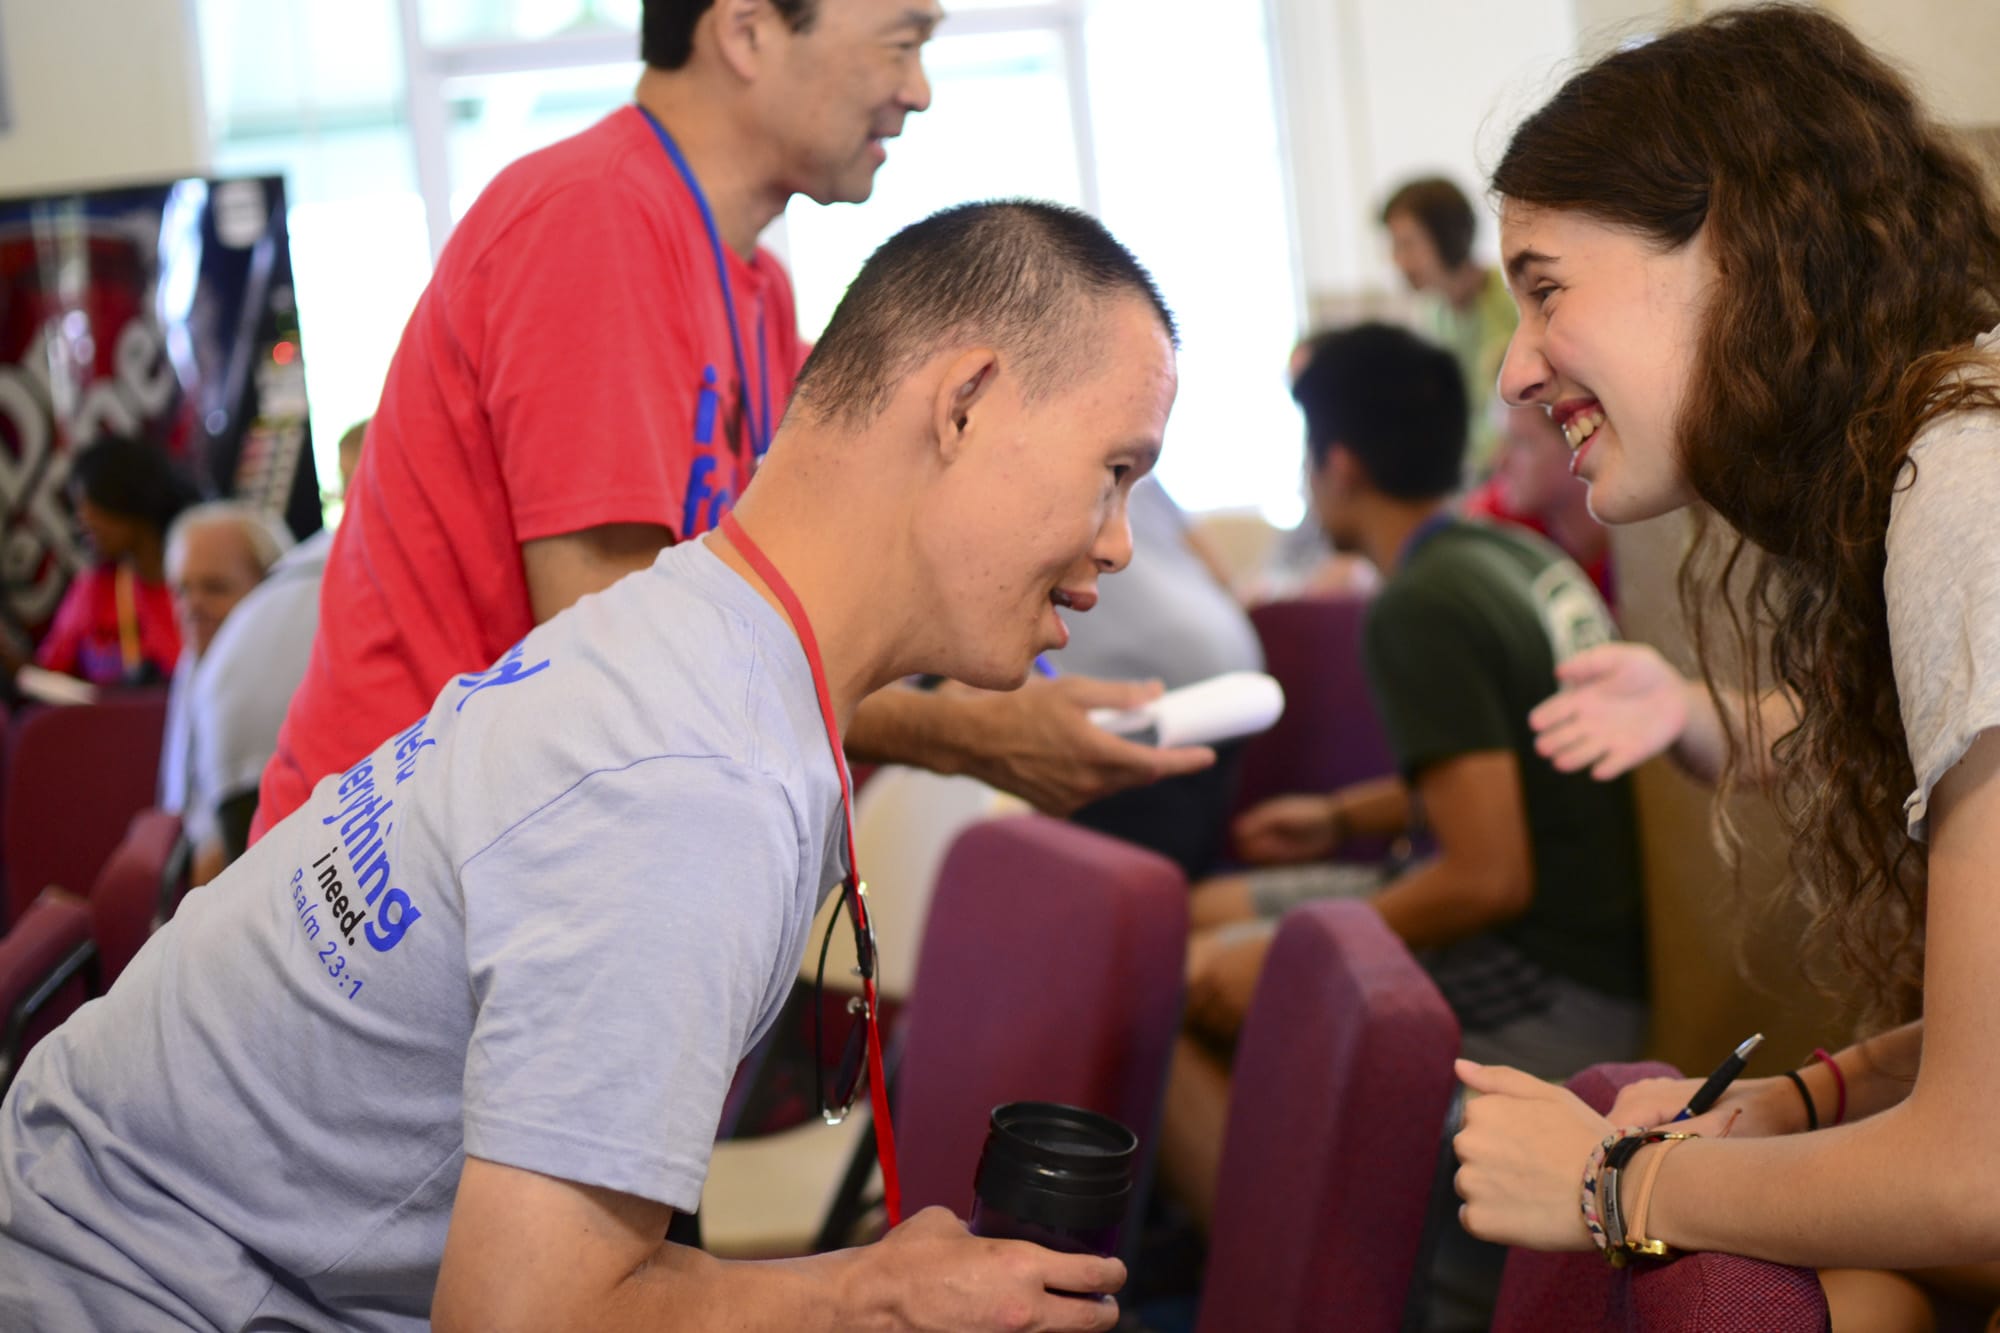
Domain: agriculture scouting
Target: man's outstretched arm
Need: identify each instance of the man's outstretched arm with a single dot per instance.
(532, 1252)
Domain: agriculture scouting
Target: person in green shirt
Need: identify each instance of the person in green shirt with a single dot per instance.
(1466, 307)
(1528, 911)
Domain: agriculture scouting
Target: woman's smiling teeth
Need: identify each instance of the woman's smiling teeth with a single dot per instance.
(1581, 427)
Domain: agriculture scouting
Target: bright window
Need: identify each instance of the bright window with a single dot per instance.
(1112, 105)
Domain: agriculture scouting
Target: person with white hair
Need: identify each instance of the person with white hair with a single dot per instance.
(216, 553)
(246, 681)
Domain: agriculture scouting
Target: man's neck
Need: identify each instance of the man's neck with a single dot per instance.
(1387, 526)
(847, 587)
(725, 158)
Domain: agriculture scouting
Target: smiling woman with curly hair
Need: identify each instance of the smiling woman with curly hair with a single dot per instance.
(1755, 279)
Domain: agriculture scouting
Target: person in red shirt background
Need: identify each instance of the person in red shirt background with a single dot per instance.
(115, 624)
(1531, 485)
(591, 376)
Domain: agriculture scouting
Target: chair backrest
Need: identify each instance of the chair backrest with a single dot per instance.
(1698, 1293)
(75, 777)
(45, 976)
(132, 896)
(1051, 970)
(1330, 735)
(1337, 1106)
(905, 821)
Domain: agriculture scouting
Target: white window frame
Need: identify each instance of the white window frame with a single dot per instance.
(429, 68)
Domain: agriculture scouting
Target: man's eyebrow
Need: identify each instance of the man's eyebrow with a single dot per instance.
(1521, 259)
(925, 21)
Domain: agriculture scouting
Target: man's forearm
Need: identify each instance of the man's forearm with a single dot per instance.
(1377, 808)
(682, 1288)
(678, 1288)
(921, 728)
(1436, 903)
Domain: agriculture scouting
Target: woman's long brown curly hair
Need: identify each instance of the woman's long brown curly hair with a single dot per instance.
(1858, 256)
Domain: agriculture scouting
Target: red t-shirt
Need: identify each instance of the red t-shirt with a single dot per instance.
(83, 639)
(1490, 501)
(569, 365)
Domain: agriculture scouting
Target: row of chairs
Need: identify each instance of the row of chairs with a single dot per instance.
(1343, 1076)
(64, 950)
(71, 779)
(1050, 968)
(88, 868)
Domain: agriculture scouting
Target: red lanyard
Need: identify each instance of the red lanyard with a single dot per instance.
(878, 1092)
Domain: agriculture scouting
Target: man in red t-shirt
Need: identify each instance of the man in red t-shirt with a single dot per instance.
(589, 375)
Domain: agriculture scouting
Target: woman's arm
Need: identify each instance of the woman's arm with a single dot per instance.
(1909, 1187)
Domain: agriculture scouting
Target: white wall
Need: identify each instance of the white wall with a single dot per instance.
(1381, 90)
(99, 91)
(1947, 47)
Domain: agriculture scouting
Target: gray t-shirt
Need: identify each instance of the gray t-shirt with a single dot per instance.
(1163, 617)
(541, 926)
(1942, 584)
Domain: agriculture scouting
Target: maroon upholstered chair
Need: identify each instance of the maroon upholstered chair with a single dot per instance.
(1330, 735)
(135, 891)
(1337, 1107)
(1698, 1293)
(75, 777)
(46, 973)
(1051, 970)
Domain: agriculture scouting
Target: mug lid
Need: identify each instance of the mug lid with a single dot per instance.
(1061, 1166)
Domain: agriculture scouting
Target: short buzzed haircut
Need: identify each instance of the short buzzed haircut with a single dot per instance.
(1444, 213)
(666, 27)
(1019, 275)
(1394, 401)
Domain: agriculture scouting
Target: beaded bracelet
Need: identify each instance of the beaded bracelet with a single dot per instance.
(1592, 1221)
(1602, 1216)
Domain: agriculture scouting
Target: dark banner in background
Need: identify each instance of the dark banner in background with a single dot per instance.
(164, 312)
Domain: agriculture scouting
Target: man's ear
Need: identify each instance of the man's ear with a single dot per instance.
(739, 31)
(1335, 476)
(966, 382)
(1344, 470)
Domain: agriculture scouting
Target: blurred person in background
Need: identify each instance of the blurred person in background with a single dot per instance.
(1465, 305)
(1170, 617)
(1528, 913)
(116, 623)
(216, 553)
(1532, 485)
(242, 686)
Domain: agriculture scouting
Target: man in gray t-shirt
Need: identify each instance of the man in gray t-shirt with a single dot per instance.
(451, 1042)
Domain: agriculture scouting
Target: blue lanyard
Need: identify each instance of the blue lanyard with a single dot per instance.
(1423, 532)
(759, 428)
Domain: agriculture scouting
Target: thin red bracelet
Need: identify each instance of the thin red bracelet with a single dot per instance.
(1839, 1084)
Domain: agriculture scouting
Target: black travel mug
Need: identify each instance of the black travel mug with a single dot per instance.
(1056, 1175)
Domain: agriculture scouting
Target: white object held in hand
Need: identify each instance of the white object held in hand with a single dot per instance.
(1221, 708)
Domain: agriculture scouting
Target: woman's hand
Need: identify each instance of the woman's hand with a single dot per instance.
(1621, 704)
(1521, 1157)
(1754, 1108)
